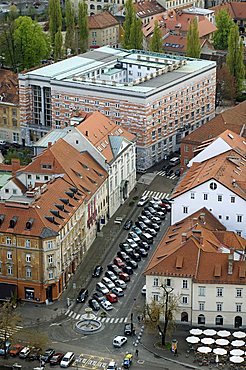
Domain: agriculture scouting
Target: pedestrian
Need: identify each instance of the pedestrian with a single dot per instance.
(139, 318)
(176, 352)
(136, 353)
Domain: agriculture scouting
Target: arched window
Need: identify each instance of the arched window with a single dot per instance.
(92, 6)
(201, 319)
(99, 7)
(238, 321)
(184, 316)
(219, 320)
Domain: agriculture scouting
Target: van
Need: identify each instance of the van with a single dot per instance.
(67, 359)
(143, 290)
(146, 237)
(174, 161)
(143, 200)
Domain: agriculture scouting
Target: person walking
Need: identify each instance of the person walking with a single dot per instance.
(136, 353)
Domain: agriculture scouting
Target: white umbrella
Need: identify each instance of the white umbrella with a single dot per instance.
(220, 351)
(209, 332)
(192, 340)
(236, 352)
(222, 342)
(207, 341)
(223, 333)
(239, 334)
(204, 349)
(196, 331)
(236, 359)
(238, 343)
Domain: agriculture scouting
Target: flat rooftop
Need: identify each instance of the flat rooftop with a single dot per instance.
(89, 69)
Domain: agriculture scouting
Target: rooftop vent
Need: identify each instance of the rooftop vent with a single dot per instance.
(64, 200)
(70, 194)
(29, 223)
(60, 207)
(13, 221)
(74, 190)
(50, 218)
(55, 212)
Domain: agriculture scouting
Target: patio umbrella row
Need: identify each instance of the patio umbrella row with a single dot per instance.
(219, 342)
(220, 333)
(235, 358)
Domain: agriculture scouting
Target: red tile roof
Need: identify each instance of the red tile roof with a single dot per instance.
(102, 20)
(148, 8)
(237, 10)
(9, 87)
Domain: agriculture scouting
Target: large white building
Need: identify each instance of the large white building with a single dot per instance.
(110, 145)
(157, 97)
(218, 184)
(203, 265)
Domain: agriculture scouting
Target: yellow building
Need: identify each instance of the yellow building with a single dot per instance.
(103, 30)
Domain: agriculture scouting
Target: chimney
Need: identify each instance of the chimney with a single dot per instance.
(230, 262)
(49, 144)
(194, 221)
(15, 165)
(202, 217)
(201, 240)
(86, 133)
(184, 237)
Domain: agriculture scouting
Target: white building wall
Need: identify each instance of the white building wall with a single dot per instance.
(225, 211)
(9, 189)
(217, 147)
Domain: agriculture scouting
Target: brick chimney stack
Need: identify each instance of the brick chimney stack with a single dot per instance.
(184, 238)
(15, 165)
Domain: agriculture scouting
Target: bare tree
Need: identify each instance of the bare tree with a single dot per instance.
(8, 322)
(33, 338)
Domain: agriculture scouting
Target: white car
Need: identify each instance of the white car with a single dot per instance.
(109, 284)
(143, 201)
(132, 243)
(112, 366)
(120, 283)
(67, 359)
(119, 341)
(134, 236)
(24, 352)
(102, 288)
(106, 305)
(143, 290)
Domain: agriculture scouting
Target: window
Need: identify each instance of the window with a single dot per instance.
(28, 243)
(156, 282)
(219, 306)
(239, 232)
(201, 320)
(213, 186)
(201, 291)
(185, 209)
(51, 275)
(239, 218)
(219, 320)
(156, 297)
(168, 282)
(219, 198)
(201, 306)
(186, 148)
(9, 255)
(50, 258)
(192, 195)
(28, 272)
(233, 199)
(8, 240)
(14, 191)
(29, 176)
(239, 292)
(28, 258)
(220, 217)
(37, 177)
(205, 196)
(185, 300)
(219, 292)
(227, 218)
(238, 307)
(10, 270)
(185, 284)
(46, 178)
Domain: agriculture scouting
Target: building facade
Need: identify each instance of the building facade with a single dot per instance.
(104, 29)
(157, 97)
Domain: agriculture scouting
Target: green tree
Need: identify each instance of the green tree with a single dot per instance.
(31, 43)
(136, 34)
(130, 14)
(8, 322)
(70, 26)
(223, 23)
(83, 27)
(55, 19)
(58, 49)
(156, 40)
(226, 87)
(7, 48)
(235, 57)
(193, 48)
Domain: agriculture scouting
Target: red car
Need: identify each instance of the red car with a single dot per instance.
(119, 262)
(15, 349)
(56, 358)
(124, 276)
(112, 298)
(166, 206)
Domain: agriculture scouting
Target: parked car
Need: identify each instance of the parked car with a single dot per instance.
(47, 354)
(112, 267)
(94, 304)
(118, 291)
(154, 201)
(151, 210)
(169, 172)
(135, 256)
(143, 290)
(142, 252)
(34, 354)
(15, 349)
(123, 256)
(109, 274)
(97, 271)
(106, 305)
(124, 276)
(143, 200)
(166, 205)
(82, 296)
(128, 224)
(156, 227)
(144, 219)
(125, 248)
(56, 358)
(141, 225)
(67, 359)
(152, 231)
(4, 348)
(146, 212)
(112, 298)
(132, 243)
(119, 262)
(119, 340)
(102, 288)
(156, 220)
(98, 296)
(112, 366)
(134, 237)
(132, 264)
(136, 230)
(120, 283)
(174, 161)
(146, 237)
(109, 283)
(128, 329)
(128, 270)
(177, 172)
(144, 245)
(24, 352)
(165, 200)
(161, 214)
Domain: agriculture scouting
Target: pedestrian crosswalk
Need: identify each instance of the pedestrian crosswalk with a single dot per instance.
(163, 173)
(157, 194)
(10, 332)
(106, 320)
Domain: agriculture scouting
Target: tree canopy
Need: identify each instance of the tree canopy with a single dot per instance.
(8, 322)
(223, 23)
(55, 19)
(156, 40)
(70, 26)
(193, 49)
(132, 28)
(83, 27)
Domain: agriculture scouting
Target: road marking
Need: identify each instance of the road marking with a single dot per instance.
(125, 319)
(70, 314)
(112, 320)
(74, 315)
(121, 320)
(108, 319)
(77, 317)
(103, 319)
(67, 312)
(116, 320)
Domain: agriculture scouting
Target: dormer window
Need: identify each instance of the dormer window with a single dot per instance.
(47, 166)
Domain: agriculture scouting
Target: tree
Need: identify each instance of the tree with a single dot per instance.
(226, 88)
(223, 23)
(193, 48)
(55, 19)
(136, 34)
(7, 48)
(130, 14)
(8, 322)
(58, 50)
(83, 27)
(31, 43)
(70, 26)
(235, 57)
(160, 315)
(33, 338)
(156, 40)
